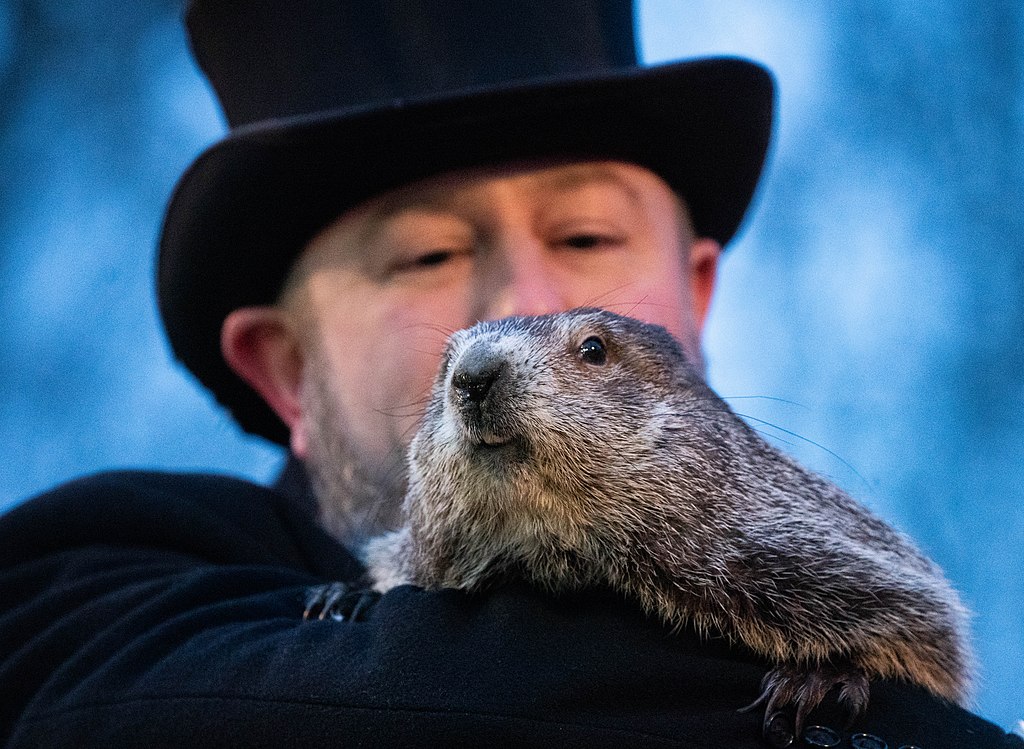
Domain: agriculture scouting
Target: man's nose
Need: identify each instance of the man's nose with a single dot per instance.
(524, 281)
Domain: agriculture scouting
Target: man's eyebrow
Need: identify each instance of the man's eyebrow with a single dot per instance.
(574, 178)
(438, 197)
(435, 200)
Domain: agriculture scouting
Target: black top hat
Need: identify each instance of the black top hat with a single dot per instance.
(333, 102)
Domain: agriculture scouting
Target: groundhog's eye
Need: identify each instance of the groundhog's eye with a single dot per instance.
(592, 351)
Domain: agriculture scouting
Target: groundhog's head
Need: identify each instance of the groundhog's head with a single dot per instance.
(542, 431)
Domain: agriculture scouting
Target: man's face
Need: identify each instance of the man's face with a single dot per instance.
(378, 291)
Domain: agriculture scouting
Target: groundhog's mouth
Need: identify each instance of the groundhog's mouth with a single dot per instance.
(492, 437)
(485, 438)
(479, 433)
(503, 448)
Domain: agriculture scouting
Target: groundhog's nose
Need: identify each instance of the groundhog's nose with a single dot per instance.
(477, 371)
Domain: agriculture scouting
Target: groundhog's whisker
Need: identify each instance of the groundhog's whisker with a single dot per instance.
(399, 412)
(628, 308)
(596, 300)
(806, 440)
(433, 327)
(412, 427)
(749, 418)
(788, 402)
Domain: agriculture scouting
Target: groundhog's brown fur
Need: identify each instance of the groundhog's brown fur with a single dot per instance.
(547, 455)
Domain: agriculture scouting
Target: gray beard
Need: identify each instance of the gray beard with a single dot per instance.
(356, 500)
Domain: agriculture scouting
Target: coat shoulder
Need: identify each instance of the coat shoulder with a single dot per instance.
(216, 518)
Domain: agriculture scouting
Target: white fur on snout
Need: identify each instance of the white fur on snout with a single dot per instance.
(451, 430)
(510, 346)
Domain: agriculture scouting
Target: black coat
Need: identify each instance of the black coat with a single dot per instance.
(145, 609)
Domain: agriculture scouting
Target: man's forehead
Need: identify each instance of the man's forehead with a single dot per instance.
(358, 227)
(443, 192)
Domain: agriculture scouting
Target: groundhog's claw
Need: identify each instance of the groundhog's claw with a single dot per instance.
(322, 601)
(339, 602)
(806, 689)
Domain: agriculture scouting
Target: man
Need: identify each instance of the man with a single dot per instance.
(375, 289)
(396, 171)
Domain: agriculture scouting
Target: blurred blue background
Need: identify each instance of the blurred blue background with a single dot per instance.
(878, 289)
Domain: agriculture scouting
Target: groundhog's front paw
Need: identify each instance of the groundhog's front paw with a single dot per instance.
(806, 688)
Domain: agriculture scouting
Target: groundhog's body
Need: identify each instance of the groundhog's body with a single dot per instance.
(584, 449)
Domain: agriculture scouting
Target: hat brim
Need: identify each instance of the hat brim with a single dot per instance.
(248, 205)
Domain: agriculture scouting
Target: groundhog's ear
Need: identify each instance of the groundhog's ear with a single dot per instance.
(262, 347)
(704, 254)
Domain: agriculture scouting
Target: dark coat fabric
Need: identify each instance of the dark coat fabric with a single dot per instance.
(145, 609)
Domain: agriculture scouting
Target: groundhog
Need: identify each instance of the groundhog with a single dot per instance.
(585, 449)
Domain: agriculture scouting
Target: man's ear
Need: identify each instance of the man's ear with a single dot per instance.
(263, 348)
(704, 254)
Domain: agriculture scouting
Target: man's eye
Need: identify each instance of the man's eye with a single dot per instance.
(427, 263)
(430, 259)
(583, 241)
(589, 240)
